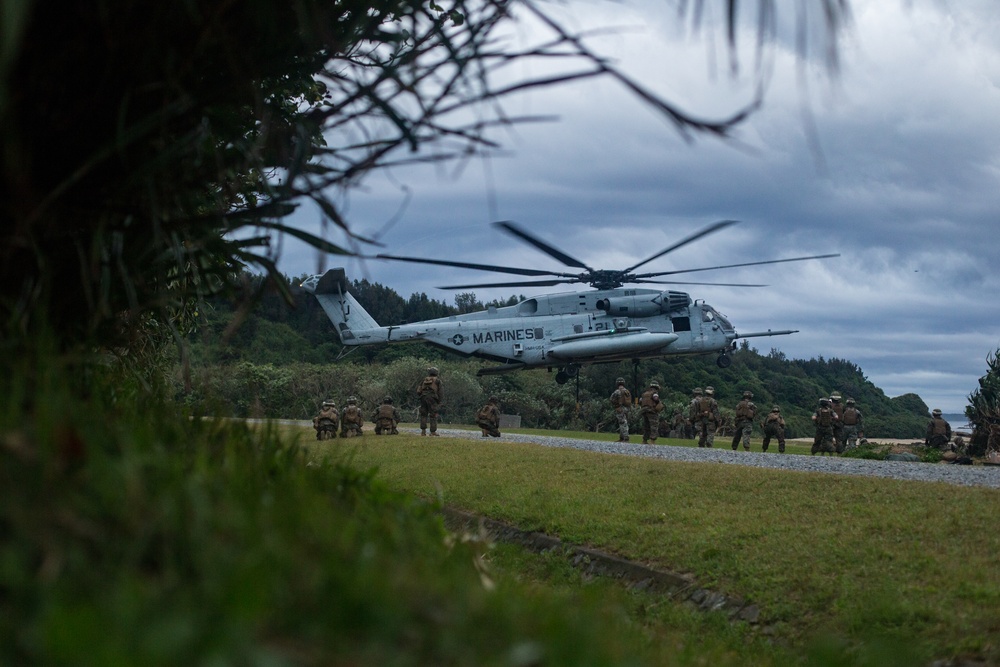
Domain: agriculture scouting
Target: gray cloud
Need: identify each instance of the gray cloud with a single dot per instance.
(905, 186)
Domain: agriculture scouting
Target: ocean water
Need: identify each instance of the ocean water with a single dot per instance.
(958, 422)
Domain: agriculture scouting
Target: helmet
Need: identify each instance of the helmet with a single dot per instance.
(748, 394)
(709, 391)
(824, 401)
(776, 409)
(835, 398)
(387, 399)
(329, 401)
(850, 401)
(936, 412)
(697, 391)
(351, 400)
(432, 370)
(654, 384)
(620, 381)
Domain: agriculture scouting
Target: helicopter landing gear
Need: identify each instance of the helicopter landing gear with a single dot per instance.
(724, 361)
(567, 373)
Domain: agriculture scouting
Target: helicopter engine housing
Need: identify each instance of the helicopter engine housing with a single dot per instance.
(643, 306)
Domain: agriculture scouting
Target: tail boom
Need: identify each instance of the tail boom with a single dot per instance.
(354, 325)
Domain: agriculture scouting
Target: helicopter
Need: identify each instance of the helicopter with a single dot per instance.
(562, 331)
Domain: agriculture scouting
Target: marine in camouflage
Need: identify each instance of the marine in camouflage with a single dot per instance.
(488, 418)
(824, 419)
(430, 393)
(745, 413)
(706, 417)
(853, 425)
(774, 427)
(651, 407)
(621, 401)
(386, 418)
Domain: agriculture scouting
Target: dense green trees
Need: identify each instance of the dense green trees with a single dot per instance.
(280, 363)
(984, 405)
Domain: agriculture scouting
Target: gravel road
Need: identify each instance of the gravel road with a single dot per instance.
(961, 475)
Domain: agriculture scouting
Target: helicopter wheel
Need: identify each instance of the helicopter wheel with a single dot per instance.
(724, 361)
(567, 373)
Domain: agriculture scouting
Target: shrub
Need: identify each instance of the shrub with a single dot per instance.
(135, 535)
(868, 450)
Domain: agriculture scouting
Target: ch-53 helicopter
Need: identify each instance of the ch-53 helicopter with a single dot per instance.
(564, 330)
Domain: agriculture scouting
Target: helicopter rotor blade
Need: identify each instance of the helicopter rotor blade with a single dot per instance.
(480, 267)
(513, 229)
(684, 282)
(732, 266)
(711, 229)
(526, 283)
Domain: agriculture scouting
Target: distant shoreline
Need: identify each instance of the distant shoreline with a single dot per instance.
(957, 421)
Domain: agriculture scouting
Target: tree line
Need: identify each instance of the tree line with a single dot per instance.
(280, 362)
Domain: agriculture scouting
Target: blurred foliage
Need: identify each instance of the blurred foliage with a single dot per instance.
(983, 410)
(133, 535)
(148, 152)
(306, 347)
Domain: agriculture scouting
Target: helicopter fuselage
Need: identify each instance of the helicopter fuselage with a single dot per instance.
(584, 327)
(561, 330)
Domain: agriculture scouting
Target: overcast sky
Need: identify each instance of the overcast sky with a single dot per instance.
(905, 184)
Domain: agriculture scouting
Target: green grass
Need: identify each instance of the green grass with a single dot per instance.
(133, 535)
(866, 563)
(672, 633)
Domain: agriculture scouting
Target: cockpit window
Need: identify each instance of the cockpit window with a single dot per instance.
(710, 314)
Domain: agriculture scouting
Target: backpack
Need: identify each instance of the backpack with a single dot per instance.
(428, 386)
(622, 398)
(744, 410)
(646, 400)
(850, 417)
(351, 414)
(705, 406)
(483, 414)
(824, 416)
(385, 411)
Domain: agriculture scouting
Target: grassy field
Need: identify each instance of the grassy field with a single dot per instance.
(856, 563)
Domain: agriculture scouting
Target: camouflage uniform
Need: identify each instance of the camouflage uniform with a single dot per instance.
(838, 424)
(853, 425)
(651, 407)
(774, 427)
(745, 412)
(386, 418)
(705, 416)
(692, 408)
(824, 419)
(351, 419)
(488, 418)
(678, 427)
(621, 401)
(326, 421)
(431, 395)
(938, 431)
